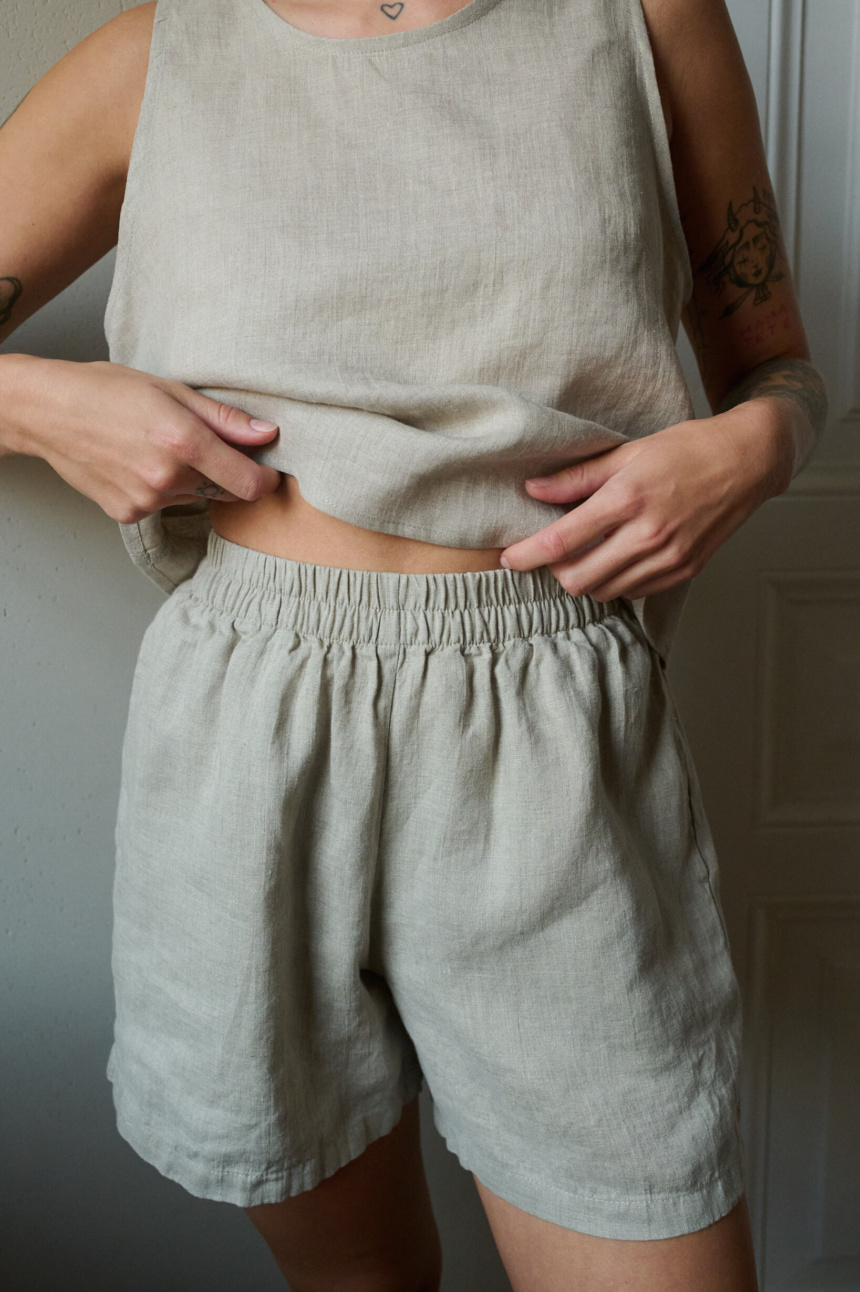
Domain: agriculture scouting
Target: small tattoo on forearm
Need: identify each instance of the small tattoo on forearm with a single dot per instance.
(784, 379)
(209, 489)
(392, 10)
(10, 290)
(749, 255)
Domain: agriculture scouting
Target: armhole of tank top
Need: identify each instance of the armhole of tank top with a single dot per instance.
(648, 78)
(139, 150)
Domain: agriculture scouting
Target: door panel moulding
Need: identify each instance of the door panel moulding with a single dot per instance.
(770, 918)
(784, 111)
(848, 393)
(808, 699)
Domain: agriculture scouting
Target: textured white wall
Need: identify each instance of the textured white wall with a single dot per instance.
(81, 1212)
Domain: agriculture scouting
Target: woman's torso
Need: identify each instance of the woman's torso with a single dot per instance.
(284, 523)
(426, 255)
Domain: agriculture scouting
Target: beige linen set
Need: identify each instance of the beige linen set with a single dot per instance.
(377, 827)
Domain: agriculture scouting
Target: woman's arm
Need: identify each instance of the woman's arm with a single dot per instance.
(743, 318)
(131, 441)
(63, 161)
(662, 505)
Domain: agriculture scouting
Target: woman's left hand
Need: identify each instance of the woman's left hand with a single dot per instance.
(654, 510)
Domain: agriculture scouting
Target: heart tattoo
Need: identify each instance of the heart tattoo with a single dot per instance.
(392, 10)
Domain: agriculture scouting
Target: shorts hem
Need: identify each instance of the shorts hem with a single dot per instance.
(638, 1216)
(250, 1188)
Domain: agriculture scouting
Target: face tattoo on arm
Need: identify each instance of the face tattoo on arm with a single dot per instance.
(749, 254)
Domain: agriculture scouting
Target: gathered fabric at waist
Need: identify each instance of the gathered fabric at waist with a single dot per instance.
(466, 608)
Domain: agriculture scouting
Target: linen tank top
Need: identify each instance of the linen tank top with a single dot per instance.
(442, 260)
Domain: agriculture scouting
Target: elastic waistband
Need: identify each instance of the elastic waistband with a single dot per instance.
(474, 607)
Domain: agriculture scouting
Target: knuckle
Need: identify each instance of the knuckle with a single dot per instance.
(571, 583)
(193, 455)
(571, 475)
(125, 513)
(176, 441)
(677, 554)
(160, 477)
(167, 435)
(630, 498)
(224, 414)
(553, 544)
(147, 500)
(654, 535)
(251, 489)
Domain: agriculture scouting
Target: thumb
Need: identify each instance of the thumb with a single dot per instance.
(580, 480)
(227, 421)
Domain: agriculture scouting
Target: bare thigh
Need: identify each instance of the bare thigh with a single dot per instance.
(367, 1228)
(542, 1257)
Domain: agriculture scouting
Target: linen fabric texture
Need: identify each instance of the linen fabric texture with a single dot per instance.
(442, 260)
(381, 827)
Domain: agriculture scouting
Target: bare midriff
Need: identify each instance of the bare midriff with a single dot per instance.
(283, 523)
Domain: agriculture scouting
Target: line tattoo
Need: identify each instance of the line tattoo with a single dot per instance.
(209, 489)
(10, 290)
(784, 379)
(392, 10)
(749, 255)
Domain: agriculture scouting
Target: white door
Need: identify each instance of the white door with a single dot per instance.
(767, 673)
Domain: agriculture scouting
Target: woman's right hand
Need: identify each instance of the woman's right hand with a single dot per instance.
(132, 442)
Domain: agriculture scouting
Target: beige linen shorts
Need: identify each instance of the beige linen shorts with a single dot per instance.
(380, 828)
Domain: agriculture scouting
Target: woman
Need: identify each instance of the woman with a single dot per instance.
(404, 794)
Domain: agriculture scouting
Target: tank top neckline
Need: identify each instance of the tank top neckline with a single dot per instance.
(470, 13)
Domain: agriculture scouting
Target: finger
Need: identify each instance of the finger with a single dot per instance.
(570, 535)
(578, 480)
(642, 577)
(207, 489)
(652, 586)
(218, 462)
(231, 423)
(601, 564)
(183, 498)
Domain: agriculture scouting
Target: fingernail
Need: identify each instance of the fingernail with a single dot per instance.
(503, 560)
(540, 480)
(257, 425)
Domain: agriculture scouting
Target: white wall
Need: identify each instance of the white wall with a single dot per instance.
(80, 1212)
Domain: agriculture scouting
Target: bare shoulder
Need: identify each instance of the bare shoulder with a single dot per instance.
(64, 157)
(91, 97)
(717, 149)
(696, 54)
